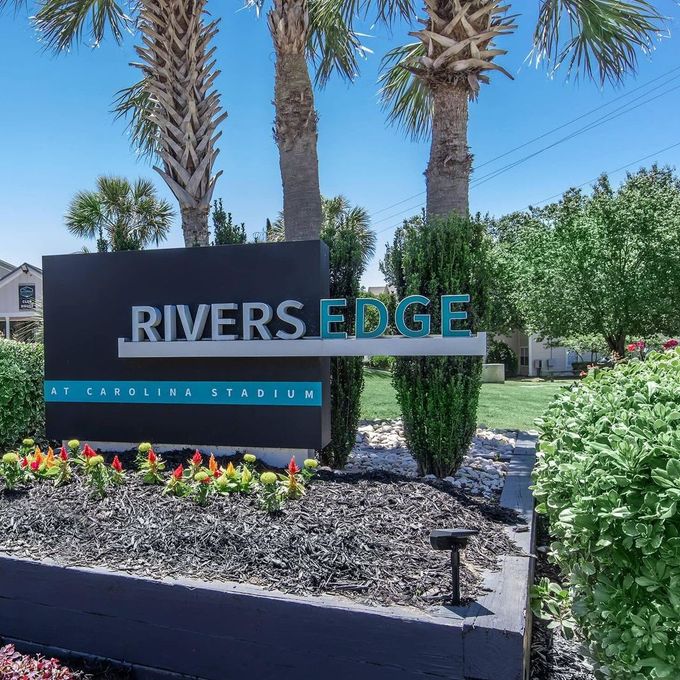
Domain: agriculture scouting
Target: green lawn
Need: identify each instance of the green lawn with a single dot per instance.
(513, 405)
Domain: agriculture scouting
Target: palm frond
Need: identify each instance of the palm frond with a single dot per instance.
(602, 36)
(384, 11)
(136, 105)
(333, 45)
(405, 97)
(62, 23)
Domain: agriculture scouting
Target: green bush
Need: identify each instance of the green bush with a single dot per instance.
(439, 395)
(22, 408)
(501, 353)
(608, 478)
(351, 245)
(381, 362)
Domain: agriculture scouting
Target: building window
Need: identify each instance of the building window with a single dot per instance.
(523, 356)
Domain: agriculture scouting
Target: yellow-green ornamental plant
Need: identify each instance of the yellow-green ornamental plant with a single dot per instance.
(270, 494)
(11, 471)
(96, 475)
(309, 466)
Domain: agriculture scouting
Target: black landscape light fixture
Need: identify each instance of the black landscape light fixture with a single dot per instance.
(454, 540)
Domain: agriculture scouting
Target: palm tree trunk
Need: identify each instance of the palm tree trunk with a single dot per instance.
(179, 75)
(296, 121)
(448, 171)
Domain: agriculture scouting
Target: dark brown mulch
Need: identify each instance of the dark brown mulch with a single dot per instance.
(553, 657)
(364, 537)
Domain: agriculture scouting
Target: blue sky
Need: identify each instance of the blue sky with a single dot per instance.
(58, 134)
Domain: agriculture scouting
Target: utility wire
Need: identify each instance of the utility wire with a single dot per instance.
(542, 136)
(607, 172)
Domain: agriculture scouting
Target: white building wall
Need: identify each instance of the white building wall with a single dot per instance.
(9, 292)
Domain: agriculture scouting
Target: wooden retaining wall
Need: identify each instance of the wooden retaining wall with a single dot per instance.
(218, 631)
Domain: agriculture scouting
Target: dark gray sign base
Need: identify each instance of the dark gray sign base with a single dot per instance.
(219, 631)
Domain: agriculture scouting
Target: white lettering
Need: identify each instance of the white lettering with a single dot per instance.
(297, 324)
(173, 391)
(309, 394)
(193, 328)
(187, 393)
(229, 390)
(213, 392)
(218, 321)
(169, 323)
(116, 391)
(142, 326)
(260, 393)
(244, 393)
(53, 392)
(250, 322)
(291, 394)
(102, 392)
(89, 391)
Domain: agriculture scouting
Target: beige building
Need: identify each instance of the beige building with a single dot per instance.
(537, 358)
(20, 292)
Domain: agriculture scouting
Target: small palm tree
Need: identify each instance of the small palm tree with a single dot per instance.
(426, 85)
(182, 110)
(120, 215)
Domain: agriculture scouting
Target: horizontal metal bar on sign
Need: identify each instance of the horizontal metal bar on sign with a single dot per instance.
(434, 345)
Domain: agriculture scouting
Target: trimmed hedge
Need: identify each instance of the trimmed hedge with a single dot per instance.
(22, 407)
(608, 478)
(438, 396)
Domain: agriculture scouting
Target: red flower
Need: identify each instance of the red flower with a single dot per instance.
(24, 462)
(206, 480)
(632, 347)
(64, 454)
(197, 458)
(88, 451)
(151, 457)
(178, 472)
(670, 344)
(582, 374)
(640, 344)
(293, 469)
(116, 464)
(35, 464)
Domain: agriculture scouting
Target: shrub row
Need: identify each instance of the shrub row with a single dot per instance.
(22, 408)
(608, 478)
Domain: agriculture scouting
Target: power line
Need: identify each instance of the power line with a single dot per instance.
(616, 113)
(607, 172)
(579, 186)
(603, 119)
(576, 133)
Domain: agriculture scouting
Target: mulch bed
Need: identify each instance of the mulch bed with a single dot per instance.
(363, 537)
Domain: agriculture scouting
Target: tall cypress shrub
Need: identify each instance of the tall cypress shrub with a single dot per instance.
(439, 395)
(351, 245)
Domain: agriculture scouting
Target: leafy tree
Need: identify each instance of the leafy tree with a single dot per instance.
(120, 215)
(175, 109)
(426, 85)
(606, 263)
(226, 232)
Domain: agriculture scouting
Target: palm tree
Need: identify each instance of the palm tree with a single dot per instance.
(178, 70)
(120, 215)
(426, 85)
